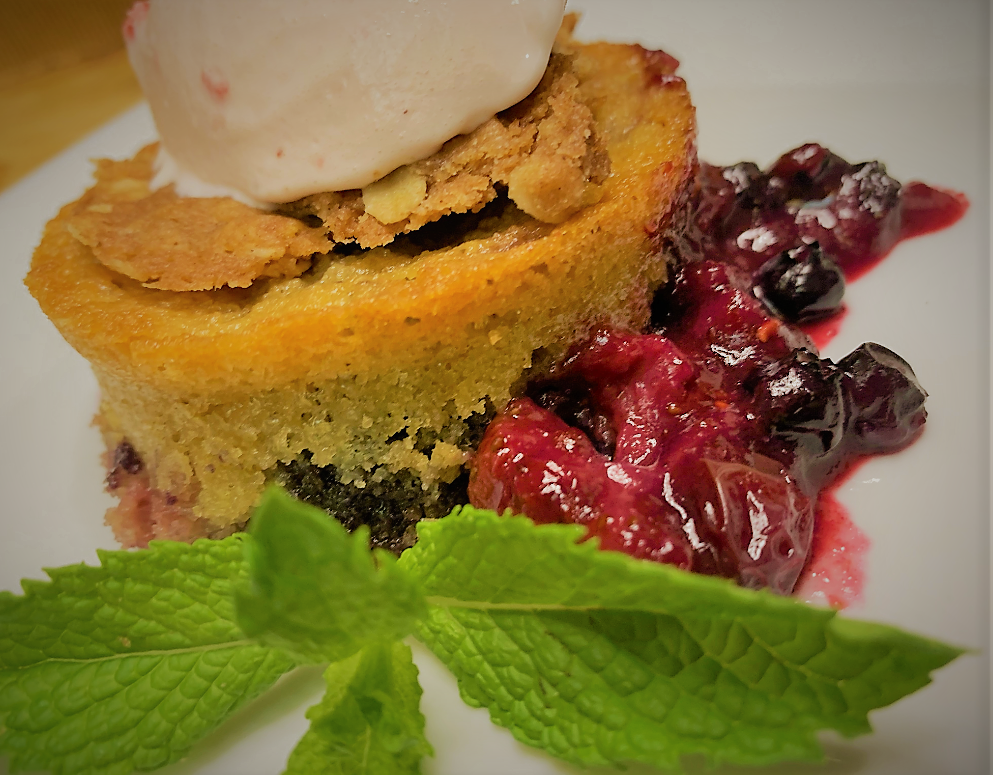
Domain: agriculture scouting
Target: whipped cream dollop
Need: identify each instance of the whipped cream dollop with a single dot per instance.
(271, 100)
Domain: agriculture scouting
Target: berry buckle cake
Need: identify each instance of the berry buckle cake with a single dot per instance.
(353, 344)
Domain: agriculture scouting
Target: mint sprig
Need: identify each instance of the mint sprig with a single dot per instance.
(592, 656)
(318, 591)
(369, 722)
(123, 667)
(600, 659)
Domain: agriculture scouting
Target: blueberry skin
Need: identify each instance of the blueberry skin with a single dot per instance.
(800, 285)
(885, 399)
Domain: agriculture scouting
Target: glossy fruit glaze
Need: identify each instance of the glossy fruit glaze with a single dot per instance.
(707, 441)
(855, 212)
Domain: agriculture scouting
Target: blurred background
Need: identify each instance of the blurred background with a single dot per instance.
(63, 73)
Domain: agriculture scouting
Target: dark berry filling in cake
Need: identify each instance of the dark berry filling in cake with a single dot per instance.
(389, 507)
(388, 503)
(144, 513)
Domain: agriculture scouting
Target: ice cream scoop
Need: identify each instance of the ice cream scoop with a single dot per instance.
(272, 100)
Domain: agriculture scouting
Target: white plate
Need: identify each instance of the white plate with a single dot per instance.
(902, 81)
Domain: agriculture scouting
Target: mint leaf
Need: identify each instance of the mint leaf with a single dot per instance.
(601, 659)
(106, 670)
(323, 594)
(369, 721)
(317, 590)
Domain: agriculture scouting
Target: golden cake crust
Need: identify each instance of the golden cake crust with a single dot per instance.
(379, 302)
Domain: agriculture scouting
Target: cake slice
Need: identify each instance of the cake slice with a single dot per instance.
(360, 377)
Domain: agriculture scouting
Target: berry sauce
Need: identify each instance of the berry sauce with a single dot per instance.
(835, 572)
(708, 441)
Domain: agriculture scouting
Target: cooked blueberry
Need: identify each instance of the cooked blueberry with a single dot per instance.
(742, 176)
(715, 198)
(860, 220)
(573, 403)
(802, 397)
(871, 188)
(810, 172)
(800, 390)
(801, 285)
(885, 401)
(127, 458)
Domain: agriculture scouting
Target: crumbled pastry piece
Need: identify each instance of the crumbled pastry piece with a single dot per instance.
(544, 150)
(181, 244)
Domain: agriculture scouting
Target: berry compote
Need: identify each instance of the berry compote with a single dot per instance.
(705, 442)
(854, 213)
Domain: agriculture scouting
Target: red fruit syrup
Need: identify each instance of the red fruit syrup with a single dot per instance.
(712, 441)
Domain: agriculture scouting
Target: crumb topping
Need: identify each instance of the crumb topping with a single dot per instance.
(544, 152)
(180, 244)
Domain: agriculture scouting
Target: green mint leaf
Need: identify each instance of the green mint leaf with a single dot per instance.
(601, 659)
(122, 667)
(317, 590)
(369, 722)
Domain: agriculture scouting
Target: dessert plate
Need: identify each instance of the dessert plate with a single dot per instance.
(903, 81)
